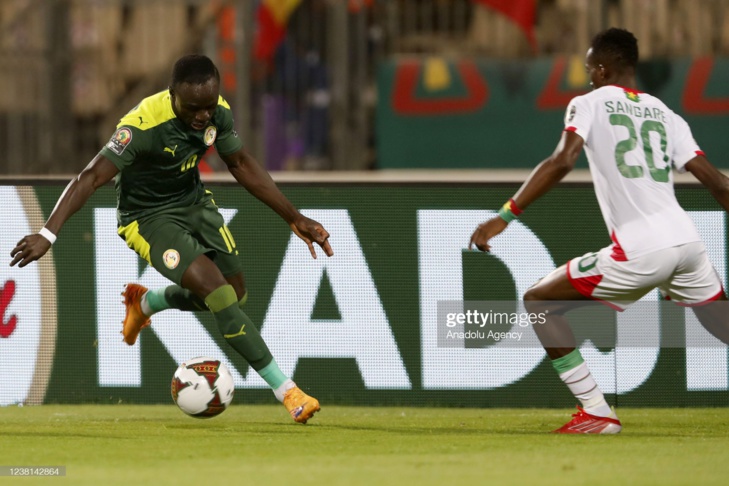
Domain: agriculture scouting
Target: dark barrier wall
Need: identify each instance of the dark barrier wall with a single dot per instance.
(509, 114)
(357, 328)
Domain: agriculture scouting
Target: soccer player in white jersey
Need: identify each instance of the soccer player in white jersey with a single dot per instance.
(631, 139)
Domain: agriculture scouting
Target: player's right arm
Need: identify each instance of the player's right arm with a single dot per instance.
(545, 176)
(716, 182)
(578, 122)
(99, 171)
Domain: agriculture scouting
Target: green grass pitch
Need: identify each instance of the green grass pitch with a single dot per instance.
(251, 445)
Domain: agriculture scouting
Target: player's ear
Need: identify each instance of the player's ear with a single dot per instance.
(603, 71)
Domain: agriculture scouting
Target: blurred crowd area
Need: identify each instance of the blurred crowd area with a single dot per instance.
(71, 68)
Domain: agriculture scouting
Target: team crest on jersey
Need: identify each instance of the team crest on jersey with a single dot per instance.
(171, 258)
(632, 95)
(210, 133)
(120, 140)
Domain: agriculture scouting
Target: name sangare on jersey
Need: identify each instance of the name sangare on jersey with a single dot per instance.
(638, 111)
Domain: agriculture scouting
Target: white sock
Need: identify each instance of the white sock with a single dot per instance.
(583, 386)
(281, 391)
(144, 305)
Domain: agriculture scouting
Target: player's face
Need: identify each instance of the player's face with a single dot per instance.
(194, 104)
(595, 71)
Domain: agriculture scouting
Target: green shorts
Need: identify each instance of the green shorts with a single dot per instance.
(173, 238)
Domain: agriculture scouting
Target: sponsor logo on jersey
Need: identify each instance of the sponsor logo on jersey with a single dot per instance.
(572, 113)
(210, 133)
(171, 150)
(120, 140)
(171, 258)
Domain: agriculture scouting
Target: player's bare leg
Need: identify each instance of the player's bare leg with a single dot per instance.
(553, 296)
(714, 316)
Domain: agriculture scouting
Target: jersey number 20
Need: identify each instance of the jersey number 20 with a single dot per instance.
(625, 146)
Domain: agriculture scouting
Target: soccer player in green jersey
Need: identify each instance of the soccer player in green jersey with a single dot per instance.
(167, 217)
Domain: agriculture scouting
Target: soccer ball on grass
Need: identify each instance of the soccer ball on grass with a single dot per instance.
(202, 387)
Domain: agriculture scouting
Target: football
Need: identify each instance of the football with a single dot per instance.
(202, 387)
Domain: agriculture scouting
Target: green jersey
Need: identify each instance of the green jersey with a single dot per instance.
(157, 156)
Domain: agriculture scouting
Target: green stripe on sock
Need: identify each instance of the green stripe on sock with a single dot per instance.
(568, 362)
(273, 375)
(221, 298)
(156, 300)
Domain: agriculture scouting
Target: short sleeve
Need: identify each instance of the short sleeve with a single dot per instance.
(578, 117)
(227, 141)
(123, 146)
(685, 147)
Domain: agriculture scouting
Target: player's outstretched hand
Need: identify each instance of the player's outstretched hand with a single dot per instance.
(29, 249)
(485, 232)
(310, 231)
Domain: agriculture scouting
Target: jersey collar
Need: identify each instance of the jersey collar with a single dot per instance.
(629, 90)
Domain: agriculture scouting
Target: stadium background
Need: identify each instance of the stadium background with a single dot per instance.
(342, 101)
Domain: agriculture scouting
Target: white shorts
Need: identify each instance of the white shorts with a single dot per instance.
(682, 273)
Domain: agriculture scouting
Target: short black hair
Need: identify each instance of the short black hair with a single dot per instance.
(194, 69)
(617, 47)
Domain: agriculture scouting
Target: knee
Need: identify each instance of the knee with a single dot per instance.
(531, 295)
(221, 298)
(533, 300)
(537, 300)
(242, 299)
(239, 284)
(240, 291)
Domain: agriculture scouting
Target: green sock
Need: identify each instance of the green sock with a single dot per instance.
(237, 328)
(273, 375)
(183, 299)
(568, 362)
(174, 297)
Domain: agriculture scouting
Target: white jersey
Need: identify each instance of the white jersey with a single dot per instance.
(632, 139)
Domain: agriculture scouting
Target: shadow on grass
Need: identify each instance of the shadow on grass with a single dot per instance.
(425, 431)
(65, 435)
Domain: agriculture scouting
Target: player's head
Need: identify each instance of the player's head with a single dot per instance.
(612, 55)
(194, 90)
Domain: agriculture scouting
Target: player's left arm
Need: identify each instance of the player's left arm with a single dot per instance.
(256, 180)
(688, 156)
(545, 176)
(716, 182)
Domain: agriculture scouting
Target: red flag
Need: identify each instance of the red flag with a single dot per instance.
(355, 6)
(522, 12)
(272, 17)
